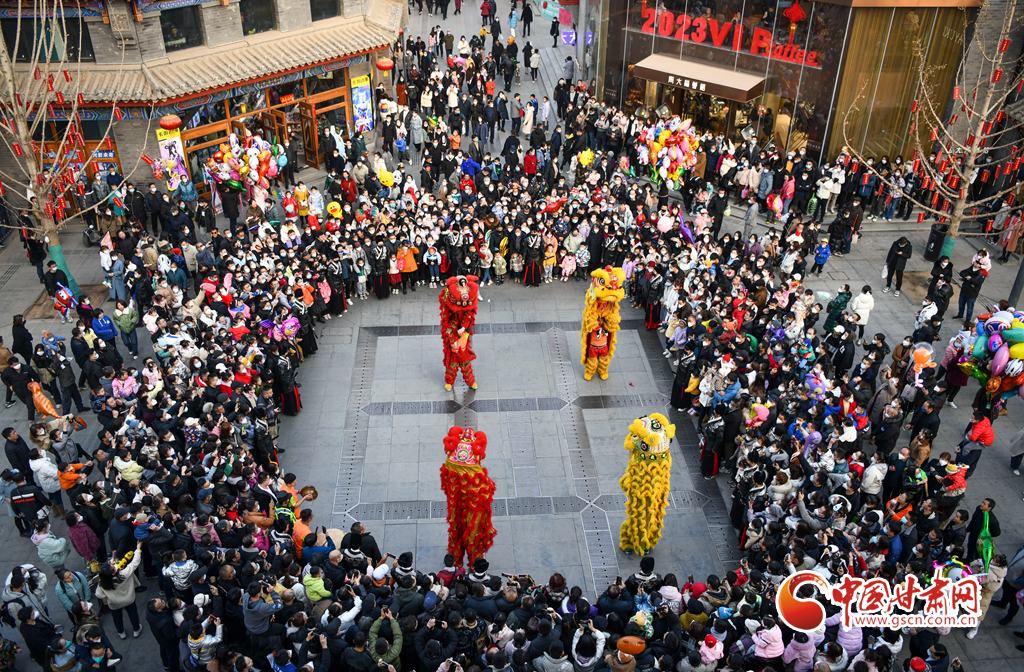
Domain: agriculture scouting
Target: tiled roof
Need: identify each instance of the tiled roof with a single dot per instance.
(194, 71)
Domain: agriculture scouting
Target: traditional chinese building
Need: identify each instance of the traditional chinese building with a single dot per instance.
(271, 66)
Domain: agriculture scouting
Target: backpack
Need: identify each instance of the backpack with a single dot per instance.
(5, 613)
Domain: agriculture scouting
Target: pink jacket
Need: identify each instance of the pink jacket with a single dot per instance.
(803, 654)
(768, 643)
(710, 655)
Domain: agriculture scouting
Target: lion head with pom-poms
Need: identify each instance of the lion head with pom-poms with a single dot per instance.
(470, 494)
(607, 288)
(646, 482)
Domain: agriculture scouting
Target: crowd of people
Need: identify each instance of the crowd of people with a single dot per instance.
(829, 451)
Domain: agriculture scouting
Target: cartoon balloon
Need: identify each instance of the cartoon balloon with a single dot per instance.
(1017, 351)
(994, 341)
(1013, 335)
(1000, 359)
(387, 178)
(334, 209)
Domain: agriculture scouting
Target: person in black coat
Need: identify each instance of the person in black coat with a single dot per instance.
(229, 199)
(17, 376)
(22, 342)
(161, 624)
(977, 524)
(896, 260)
(971, 280)
(17, 453)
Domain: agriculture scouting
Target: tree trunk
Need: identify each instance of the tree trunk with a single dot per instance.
(57, 253)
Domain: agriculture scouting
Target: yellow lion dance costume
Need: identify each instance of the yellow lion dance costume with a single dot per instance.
(646, 482)
(601, 320)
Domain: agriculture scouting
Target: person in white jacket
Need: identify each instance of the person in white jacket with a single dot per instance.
(838, 180)
(862, 305)
(874, 475)
(44, 467)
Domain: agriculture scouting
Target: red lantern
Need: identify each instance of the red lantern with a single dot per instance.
(385, 64)
(920, 217)
(169, 122)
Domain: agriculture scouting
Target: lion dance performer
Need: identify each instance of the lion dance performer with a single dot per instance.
(470, 493)
(458, 316)
(601, 320)
(646, 482)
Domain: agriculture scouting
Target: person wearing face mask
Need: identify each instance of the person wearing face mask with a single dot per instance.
(896, 261)
(17, 376)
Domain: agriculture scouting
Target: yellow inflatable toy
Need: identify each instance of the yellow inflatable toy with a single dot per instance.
(601, 320)
(646, 482)
(386, 178)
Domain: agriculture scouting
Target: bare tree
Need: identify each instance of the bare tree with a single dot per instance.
(978, 127)
(44, 87)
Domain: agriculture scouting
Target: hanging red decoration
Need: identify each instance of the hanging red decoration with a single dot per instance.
(854, 166)
(956, 93)
(988, 225)
(986, 128)
(935, 134)
(913, 127)
(913, 107)
(997, 75)
(999, 171)
(953, 181)
(18, 151)
(1004, 45)
(917, 165)
(60, 98)
(17, 97)
(38, 74)
(943, 166)
(984, 176)
(935, 199)
(62, 202)
(169, 122)
(952, 120)
(1016, 164)
(1000, 115)
(148, 160)
(1011, 198)
(920, 217)
(108, 143)
(49, 83)
(67, 76)
(118, 114)
(385, 64)
(81, 189)
(970, 138)
(3, 192)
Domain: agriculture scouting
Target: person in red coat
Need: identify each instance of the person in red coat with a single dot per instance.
(979, 435)
(530, 162)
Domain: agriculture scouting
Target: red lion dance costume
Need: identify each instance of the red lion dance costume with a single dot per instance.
(470, 493)
(458, 316)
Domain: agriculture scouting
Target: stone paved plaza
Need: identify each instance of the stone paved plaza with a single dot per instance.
(375, 412)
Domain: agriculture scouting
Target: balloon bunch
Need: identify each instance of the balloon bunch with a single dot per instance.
(671, 148)
(996, 358)
(775, 204)
(252, 162)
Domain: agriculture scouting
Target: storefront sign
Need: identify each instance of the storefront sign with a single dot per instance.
(727, 35)
(362, 103)
(172, 156)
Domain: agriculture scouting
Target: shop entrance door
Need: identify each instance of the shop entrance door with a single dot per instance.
(310, 137)
(275, 126)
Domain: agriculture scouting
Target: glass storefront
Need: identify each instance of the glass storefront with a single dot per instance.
(882, 84)
(817, 60)
(181, 28)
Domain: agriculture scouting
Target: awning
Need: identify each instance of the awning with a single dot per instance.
(700, 77)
